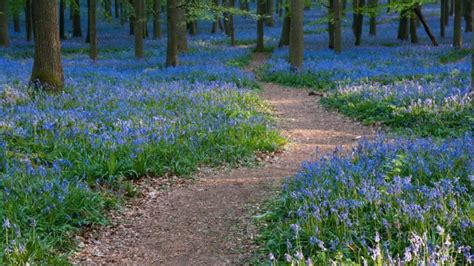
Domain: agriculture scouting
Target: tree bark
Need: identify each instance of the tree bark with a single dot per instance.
(139, 19)
(413, 29)
(442, 31)
(467, 15)
(270, 13)
(88, 34)
(93, 29)
(156, 19)
(403, 26)
(4, 38)
(28, 20)
(472, 51)
(373, 17)
(451, 7)
(117, 8)
(457, 36)
(331, 24)
(231, 24)
(358, 20)
(62, 32)
(47, 69)
(181, 30)
(172, 45)
(446, 12)
(131, 19)
(337, 26)
(260, 20)
(418, 13)
(296, 48)
(285, 29)
(76, 19)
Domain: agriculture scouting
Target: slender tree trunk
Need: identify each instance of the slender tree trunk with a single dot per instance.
(93, 29)
(226, 18)
(373, 17)
(337, 26)
(403, 26)
(280, 8)
(451, 7)
(4, 38)
(62, 32)
(216, 22)
(260, 21)
(418, 13)
(446, 12)
(442, 31)
(139, 19)
(28, 20)
(231, 24)
(117, 8)
(358, 20)
(413, 29)
(107, 8)
(182, 33)
(88, 34)
(172, 46)
(131, 19)
(296, 48)
(16, 22)
(76, 19)
(285, 29)
(331, 24)
(468, 15)
(156, 19)
(270, 13)
(47, 68)
(457, 36)
(123, 15)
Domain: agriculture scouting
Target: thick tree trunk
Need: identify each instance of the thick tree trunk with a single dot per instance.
(182, 32)
(337, 26)
(358, 20)
(62, 32)
(373, 17)
(172, 46)
(16, 22)
(467, 15)
(296, 48)
(47, 69)
(285, 29)
(139, 19)
(28, 20)
(260, 21)
(76, 19)
(418, 13)
(413, 29)
(270, 13)
(156, 19)
(93, 29)
(457, 36)
(442, 31)
(331, 24)
(4, 38)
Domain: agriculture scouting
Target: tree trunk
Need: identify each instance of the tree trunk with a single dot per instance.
(472, 51)
(270, 13)
(172, 46)
(181, 30)
(4, 39)
(131, 19)
(28, 20)
(231, 24)
(107, 8)
(331, 24)
(216, 22)
(457, 32)
(47, 69)
(446, 12)
(451, 7)
(62, 32)
(139, 19)
(88, 34)
(93, 29)
(156, 19)
(403, 26)
(442, 31)
(16, 22)
(337, 26)
(296, 48)
(468, 15)
(358, 20)
(76, 19)
(413, 29)
(123, 15)
(260, 20)
(418, 13)
(280, 8)
(373, 17)
(285, 29)
(117, 8)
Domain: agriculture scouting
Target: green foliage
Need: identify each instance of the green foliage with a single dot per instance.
(454, 56)
(320, 81)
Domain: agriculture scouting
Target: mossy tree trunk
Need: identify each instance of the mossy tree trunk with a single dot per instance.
(139, 20)
(4, 38)
(260, 25)
(76, 18)
(93, 29)
(47, 68)
(156, 19)
(457, 32)
(172, 45)
(296, 47)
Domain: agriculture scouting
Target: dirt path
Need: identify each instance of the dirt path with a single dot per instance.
(208, 222)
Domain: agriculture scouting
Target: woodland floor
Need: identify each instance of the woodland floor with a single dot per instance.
(208, 221)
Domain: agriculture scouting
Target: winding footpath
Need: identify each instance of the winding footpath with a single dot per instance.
(209, 221)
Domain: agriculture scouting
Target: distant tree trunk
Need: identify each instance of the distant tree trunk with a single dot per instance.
(47, 68)
(337, 26)
(231, 24)
(28, 20)
(16, 22)
(442, 20)
(117, 8)
(446, 12)
(88, 34)
(403, 26)
(182, 33)
(373, 17)
(457, 36)
(216, 22)
(261, 13)
(296, 47)
(468, 15)
(280, 8)
(413, 29)
(62, 32)
(107, 8)
(139, 19)
(123, 15)
(4, 39)
(270, 13)
(358, 20)
(156, 19)
(76, 19)
(131, 19)
(172, 46)
(285, 29)
(93, 29)
(451, 7)
(331, 24)
(418, 13)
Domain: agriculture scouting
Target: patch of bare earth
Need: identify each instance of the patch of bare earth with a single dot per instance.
(209, 221)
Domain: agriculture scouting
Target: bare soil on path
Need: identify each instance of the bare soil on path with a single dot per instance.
(209, 221)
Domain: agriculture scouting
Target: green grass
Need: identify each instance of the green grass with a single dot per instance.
(454, 56)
